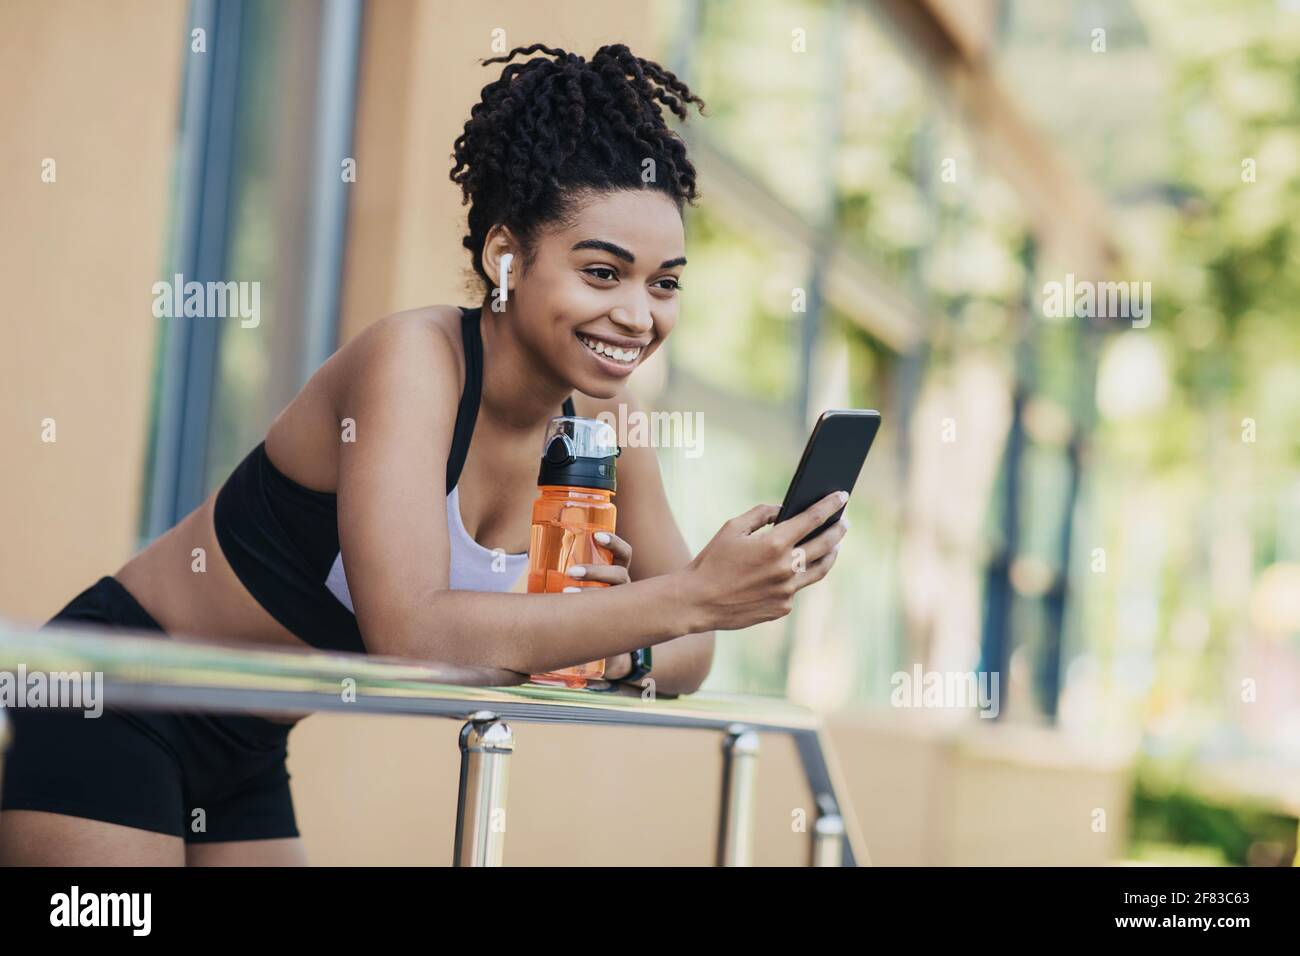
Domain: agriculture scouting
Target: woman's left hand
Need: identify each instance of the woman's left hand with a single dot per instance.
(621, 552)
(616, 573)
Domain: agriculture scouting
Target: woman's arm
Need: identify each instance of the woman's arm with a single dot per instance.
(400, 387)
(399, 384)
(645, 521)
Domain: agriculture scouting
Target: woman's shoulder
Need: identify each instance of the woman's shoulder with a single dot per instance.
(424, 343)
(413, 358)
(433, 326)
(399, 387)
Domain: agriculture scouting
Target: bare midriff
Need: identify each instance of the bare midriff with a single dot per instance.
(208, 603)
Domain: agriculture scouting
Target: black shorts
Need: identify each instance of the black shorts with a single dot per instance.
(203, 777)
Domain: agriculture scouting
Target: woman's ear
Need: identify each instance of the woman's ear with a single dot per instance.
(500, 262)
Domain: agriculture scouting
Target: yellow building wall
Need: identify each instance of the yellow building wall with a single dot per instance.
(94, 87)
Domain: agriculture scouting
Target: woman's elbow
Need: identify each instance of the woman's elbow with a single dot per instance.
(692, 677)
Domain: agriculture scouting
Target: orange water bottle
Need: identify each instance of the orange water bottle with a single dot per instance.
(576, 486)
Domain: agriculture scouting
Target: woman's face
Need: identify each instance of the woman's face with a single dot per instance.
(601, 294)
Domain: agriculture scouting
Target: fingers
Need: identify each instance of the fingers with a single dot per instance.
(616, 573)
(755, 518)
(601, 573)
(795, 529)
(822, 545)
(817, 570)
(619, 549)
(811, 562)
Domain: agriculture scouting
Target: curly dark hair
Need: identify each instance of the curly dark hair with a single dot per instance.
(550, 131)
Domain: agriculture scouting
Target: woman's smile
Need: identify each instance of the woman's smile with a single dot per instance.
(616, 356)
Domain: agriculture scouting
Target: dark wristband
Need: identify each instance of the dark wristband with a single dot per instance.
(641, 664)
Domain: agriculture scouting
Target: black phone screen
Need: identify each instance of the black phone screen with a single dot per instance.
(831, 461)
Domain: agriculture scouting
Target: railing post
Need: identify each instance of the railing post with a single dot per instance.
(828, 841)
(739, 777)
(486, 743)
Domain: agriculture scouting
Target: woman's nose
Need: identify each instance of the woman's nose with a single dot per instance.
(636, 318)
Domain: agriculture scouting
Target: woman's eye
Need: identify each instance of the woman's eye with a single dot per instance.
(673, 285)
(603, 273)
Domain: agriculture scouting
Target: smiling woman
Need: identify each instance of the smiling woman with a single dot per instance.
(609, 272)
(372, 515)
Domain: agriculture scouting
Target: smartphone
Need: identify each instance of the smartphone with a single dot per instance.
(831, 461)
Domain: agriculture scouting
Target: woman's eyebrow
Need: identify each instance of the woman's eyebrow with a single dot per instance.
(601, 244)
(616, 250)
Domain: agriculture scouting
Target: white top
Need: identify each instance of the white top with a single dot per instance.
(473, 567)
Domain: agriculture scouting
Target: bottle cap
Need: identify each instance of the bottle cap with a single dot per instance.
(579, 451)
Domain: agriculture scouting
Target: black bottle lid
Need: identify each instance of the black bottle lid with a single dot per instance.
(579, 451)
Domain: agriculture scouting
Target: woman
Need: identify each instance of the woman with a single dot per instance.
(336, 533)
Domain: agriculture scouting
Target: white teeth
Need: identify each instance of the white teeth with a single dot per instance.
(604, 348)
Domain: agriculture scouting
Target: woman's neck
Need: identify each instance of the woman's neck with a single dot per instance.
(518, 393)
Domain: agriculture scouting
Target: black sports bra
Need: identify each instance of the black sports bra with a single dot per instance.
(282, 540)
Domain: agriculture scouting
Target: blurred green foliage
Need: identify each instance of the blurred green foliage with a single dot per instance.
(1166, 815)
(1188, 127)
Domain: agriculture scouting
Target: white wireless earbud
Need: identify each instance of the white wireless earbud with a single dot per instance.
(503, 274)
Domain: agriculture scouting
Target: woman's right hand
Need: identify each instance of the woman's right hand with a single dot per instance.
(743, 577)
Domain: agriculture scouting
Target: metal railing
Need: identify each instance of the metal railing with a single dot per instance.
(148, 672)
